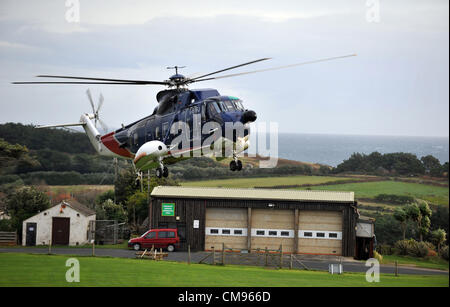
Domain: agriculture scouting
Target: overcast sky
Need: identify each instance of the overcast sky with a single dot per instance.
(397, 85)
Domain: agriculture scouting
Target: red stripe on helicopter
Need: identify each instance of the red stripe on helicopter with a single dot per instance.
(110, 142)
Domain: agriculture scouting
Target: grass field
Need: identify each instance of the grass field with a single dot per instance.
(44, 270)
(264, 181)
(429, 263)
(434, 194)
(79, 188)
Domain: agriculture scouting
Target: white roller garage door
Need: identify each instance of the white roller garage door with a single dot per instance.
(226, 225)
(272, 228)
(320, 232)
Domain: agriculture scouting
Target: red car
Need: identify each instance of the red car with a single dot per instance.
(159, 238)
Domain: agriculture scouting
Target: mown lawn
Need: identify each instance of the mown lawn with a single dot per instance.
(430, 262)
(44, 270)
(264, 181)
(434, 194)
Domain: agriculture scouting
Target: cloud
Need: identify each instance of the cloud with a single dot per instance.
(399, 79)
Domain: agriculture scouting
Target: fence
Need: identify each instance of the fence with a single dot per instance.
(8, 238)
(257, 257)
(109, 232)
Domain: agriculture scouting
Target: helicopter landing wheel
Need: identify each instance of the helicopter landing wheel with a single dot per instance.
(239, 165)
(233, 165)
(159, 172)
(165, 172)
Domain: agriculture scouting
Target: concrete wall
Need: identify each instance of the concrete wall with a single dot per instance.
(79, 225)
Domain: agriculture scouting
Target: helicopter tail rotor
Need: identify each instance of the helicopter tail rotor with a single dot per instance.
(95, 112)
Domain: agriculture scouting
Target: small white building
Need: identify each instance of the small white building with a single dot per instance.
(67, 223)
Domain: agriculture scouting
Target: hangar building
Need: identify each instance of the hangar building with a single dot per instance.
(304, 222)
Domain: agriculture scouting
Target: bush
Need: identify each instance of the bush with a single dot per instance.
(444, 252)
(385, 249)
(413, 248)
(403, 247)
(419, 249)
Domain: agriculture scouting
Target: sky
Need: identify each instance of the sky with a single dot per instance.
(396, 85)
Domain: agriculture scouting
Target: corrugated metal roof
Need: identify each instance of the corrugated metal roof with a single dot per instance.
(79, 207)
(269, 194)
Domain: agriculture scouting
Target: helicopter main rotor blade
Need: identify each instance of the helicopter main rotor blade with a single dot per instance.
(50, 82)
(273, 68)
(106, 81)
(228, 68)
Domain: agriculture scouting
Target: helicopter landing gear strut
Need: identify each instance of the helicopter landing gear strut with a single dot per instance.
(162, 171)
(235, 164)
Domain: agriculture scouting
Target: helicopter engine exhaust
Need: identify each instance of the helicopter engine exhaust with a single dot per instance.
(149, 153)
(249, 116)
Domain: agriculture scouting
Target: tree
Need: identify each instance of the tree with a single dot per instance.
(108, 210)
(401, 216)
(438, 236)
(424, 221)
(25, 203)
(431, 165)
(420, 213)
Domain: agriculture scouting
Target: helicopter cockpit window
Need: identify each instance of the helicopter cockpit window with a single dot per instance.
(238, 105)
(213, 109)
(229, 105)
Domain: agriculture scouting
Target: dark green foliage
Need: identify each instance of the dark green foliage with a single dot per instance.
(108, 210)
(440, 218)
(444, 252)
(387, 229)
(66, 178)
(394, 199)
(14, 158)
(24, 203)
(54, 139)
(5, 225)
(399, 163)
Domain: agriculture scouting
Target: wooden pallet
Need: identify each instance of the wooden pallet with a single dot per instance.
(152, 255)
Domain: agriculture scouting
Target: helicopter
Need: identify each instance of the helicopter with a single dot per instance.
(156, 140)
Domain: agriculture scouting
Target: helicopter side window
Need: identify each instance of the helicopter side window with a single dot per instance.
(212, 111)
(165, 126)
(222, 106)
(229, 105)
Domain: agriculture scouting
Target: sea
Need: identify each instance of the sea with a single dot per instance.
(333, 149)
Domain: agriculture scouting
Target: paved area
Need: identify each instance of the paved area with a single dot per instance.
(312, 262)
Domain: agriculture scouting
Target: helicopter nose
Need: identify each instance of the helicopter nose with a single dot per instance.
(248, 116)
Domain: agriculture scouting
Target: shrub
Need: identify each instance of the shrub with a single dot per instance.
(385, 249)
(403, 247)
(413, 248)
(431, 253)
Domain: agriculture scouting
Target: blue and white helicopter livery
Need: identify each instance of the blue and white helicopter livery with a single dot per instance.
(185, 123)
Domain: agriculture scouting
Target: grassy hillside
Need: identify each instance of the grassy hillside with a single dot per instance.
(264, 182)
(434, 194)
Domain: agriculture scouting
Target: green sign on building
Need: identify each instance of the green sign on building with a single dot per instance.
(167, 209)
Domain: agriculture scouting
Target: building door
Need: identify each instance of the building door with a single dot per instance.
(320, 232)
(226, 226)
(60, 231)
(31, 234)
(273, 228)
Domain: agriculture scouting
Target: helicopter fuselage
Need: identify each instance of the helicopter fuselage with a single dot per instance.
(192, 107)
